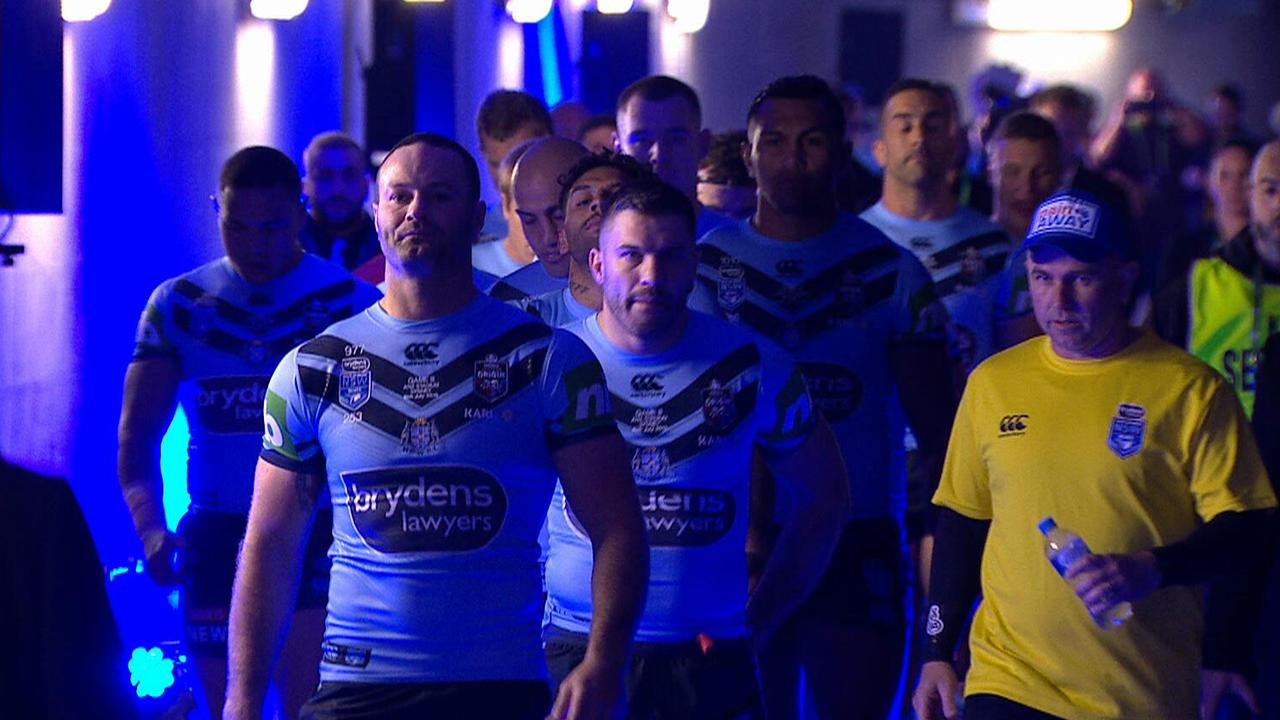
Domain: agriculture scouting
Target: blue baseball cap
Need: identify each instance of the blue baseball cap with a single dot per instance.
(1080, 225)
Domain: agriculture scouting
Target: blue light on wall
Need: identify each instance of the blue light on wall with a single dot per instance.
(547, 70)
(173, 467)
(552, 92)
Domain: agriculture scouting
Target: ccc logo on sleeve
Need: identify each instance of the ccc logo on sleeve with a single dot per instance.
(1013, 425)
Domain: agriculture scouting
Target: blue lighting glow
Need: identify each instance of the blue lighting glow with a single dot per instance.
(553, 92)
(173, 467)
(150, 672)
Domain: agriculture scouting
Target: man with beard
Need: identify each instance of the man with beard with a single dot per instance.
(1226, 307)
(336, 182)
(535, 194)
(861, 316)
(695, 397)
(438, 420)
(584, 190)
(207, 341)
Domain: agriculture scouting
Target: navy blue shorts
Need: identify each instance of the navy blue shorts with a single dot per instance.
(209, 569)
(506, 699)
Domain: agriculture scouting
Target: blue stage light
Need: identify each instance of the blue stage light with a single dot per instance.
(150, 672)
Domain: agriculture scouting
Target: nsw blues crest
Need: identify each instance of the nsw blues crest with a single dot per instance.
(1128, 430)
(490, 378)
(731, 284)
(355, 382)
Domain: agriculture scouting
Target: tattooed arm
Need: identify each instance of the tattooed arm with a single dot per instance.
(267, 581)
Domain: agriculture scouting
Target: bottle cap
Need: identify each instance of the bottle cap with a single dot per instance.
(1046, 525)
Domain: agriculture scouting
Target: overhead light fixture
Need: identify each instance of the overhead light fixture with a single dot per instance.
(528, 11)
(689, 15)
(83, 10)
(614, 7)
(1058, 15)
(277, 9)
(424, 1)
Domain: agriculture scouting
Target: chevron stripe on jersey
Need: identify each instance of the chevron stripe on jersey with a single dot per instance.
(226, 334)
(692, 416)
(839, 302)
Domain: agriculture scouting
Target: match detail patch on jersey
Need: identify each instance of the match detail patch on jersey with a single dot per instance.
(1128, 430)
(440, 508)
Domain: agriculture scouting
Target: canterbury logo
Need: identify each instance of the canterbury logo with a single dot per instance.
(421, 351)
(1010, 424)
(788, 267)
(646, 383)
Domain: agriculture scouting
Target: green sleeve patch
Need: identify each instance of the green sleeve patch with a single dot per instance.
(588, 400)
(275, 434)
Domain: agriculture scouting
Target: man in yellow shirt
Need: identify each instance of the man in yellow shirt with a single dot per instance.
(1132, 443)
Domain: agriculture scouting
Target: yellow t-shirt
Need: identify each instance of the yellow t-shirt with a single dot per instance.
(1132, 451)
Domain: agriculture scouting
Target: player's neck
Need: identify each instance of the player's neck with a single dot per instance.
(930, 200)
(773, 223)
(345, 230)
(1230, 225)
(427, 297)
(623, 339)
(583, 287)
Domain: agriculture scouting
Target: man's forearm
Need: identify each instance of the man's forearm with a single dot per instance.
(796, 564)
(138, 468)
(265, 588)
(619, 584)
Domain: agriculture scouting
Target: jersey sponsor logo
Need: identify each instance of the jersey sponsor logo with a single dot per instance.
(731, 284)
(1128, 430)
(835, 390)
(149, 335)
(421, 353)
(591, 402)
(1240, 367)
(647, 385)
(1013, 425)
(445, 508)
(345, 655)
(355, 382)
(1068, 215)
(420, 437)
(490, 378)
(272, 433)
(650, 421)
(421, 390)
(718, 409)
(789, 268)
(227, 405)
(689, 517)
(650, 464)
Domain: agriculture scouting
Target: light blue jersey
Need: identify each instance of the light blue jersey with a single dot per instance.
(227, 334)
(529, 281)
(492, 258)
(965, 255)
(436, 438)
(839, 302)
(557, 308)
(691, 416)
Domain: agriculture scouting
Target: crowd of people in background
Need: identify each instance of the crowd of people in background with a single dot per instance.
(846, 358)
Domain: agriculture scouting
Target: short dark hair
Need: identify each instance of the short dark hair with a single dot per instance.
(651, 197)
(723, 164)
(911, 84)
(660, 87)
(503, 112)
(259, 166)
(597, 121)
(631, 169)
(332, 139)
(1248, 147)
(440, 141)
(1069, 97)
(1025, 125)
(802, 87)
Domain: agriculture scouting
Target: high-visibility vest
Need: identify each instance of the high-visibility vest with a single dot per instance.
(1230, 317)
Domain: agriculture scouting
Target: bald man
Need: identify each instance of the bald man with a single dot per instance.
(1230, 315)
(535, 191)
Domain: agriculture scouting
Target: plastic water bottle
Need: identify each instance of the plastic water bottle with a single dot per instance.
(1063, 547)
